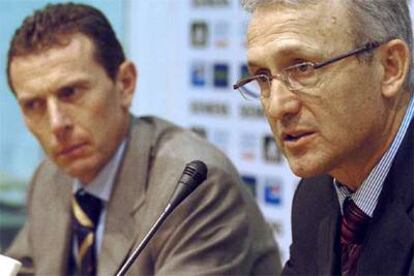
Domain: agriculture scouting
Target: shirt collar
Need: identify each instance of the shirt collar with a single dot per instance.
(101, 186)
(366, 196)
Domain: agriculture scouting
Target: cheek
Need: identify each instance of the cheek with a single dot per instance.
(41, 133)
(272, 123)
(347, 117)
(349, 98)
(96, 110)
(106, 106)
(104, 121)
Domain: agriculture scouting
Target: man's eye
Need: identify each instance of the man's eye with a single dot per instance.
(305, 67)
(263, 76)
(67, 92)
(33, 106)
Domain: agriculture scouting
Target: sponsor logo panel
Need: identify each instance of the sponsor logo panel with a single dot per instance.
(273, 191)
(209, 108)
(199, 34)
(270, 150)
(221, 75)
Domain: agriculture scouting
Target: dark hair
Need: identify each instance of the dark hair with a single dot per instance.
(54, 25)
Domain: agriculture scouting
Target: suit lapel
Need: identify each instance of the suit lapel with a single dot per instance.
(390, 239)
(326, 245)
(127, 198)
(327, 242)
(389, 243)
(53, 238)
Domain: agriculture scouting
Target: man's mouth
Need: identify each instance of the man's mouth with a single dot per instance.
(296, 137)
(72, 151)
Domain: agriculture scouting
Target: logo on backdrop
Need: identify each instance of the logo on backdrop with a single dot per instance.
(270, 151)
(251, 111)
(198, 74)
(221, 75)
(248, 145)
(210, 3)
(199, 34)
(221, 32)
(273, 191)
(209, 108)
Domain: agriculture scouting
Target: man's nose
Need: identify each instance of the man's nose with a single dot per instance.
(60, 122)
(282, 102)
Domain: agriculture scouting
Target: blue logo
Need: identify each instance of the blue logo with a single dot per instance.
(221, 75)
(273, 193)
(198, 74)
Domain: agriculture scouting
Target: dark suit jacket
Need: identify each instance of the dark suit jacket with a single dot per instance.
(217, 230)
(388, 248)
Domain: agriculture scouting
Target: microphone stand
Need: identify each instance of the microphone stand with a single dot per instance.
(131, 259)
(194, 173)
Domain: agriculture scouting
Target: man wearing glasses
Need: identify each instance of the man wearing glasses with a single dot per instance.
(336, 83)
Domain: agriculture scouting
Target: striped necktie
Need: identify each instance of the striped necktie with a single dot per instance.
(353, 227)
(85, 216)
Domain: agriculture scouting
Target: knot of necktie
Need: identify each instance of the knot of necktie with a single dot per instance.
(354, 223)
(86, 210)
(353, 228)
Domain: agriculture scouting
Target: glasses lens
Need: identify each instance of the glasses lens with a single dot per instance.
(255, 88)
(301, 76)
(250, 90)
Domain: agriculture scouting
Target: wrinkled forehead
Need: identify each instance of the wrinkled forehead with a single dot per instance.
(326, 23)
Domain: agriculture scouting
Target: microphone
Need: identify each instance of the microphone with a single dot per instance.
(194, 173)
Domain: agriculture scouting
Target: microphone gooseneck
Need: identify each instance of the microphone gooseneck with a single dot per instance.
(193, 175)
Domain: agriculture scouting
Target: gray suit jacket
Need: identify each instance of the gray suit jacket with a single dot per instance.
(217, 230)
(388, 248)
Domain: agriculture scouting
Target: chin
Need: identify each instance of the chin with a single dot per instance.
(84, 170)
(311, 163)
(307, 169)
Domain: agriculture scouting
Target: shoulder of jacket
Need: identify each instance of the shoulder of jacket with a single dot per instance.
(314, 189)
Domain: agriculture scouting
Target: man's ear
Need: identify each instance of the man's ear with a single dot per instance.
(126, 82)
(395, 60)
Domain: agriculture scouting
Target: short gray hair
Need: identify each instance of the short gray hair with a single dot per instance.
(378, 20)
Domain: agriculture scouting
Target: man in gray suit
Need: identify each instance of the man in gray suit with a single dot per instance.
(109, 175)
(336, 81)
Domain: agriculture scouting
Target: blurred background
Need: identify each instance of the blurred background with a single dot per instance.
(189, 53)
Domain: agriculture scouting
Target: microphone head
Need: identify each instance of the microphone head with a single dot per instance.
(196, 170)
(193, 175)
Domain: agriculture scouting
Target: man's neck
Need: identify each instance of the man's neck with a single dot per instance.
(353, 172)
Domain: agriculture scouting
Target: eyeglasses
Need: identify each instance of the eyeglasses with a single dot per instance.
(295, 77)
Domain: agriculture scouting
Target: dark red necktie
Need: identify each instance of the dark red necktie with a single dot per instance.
(353, 226)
